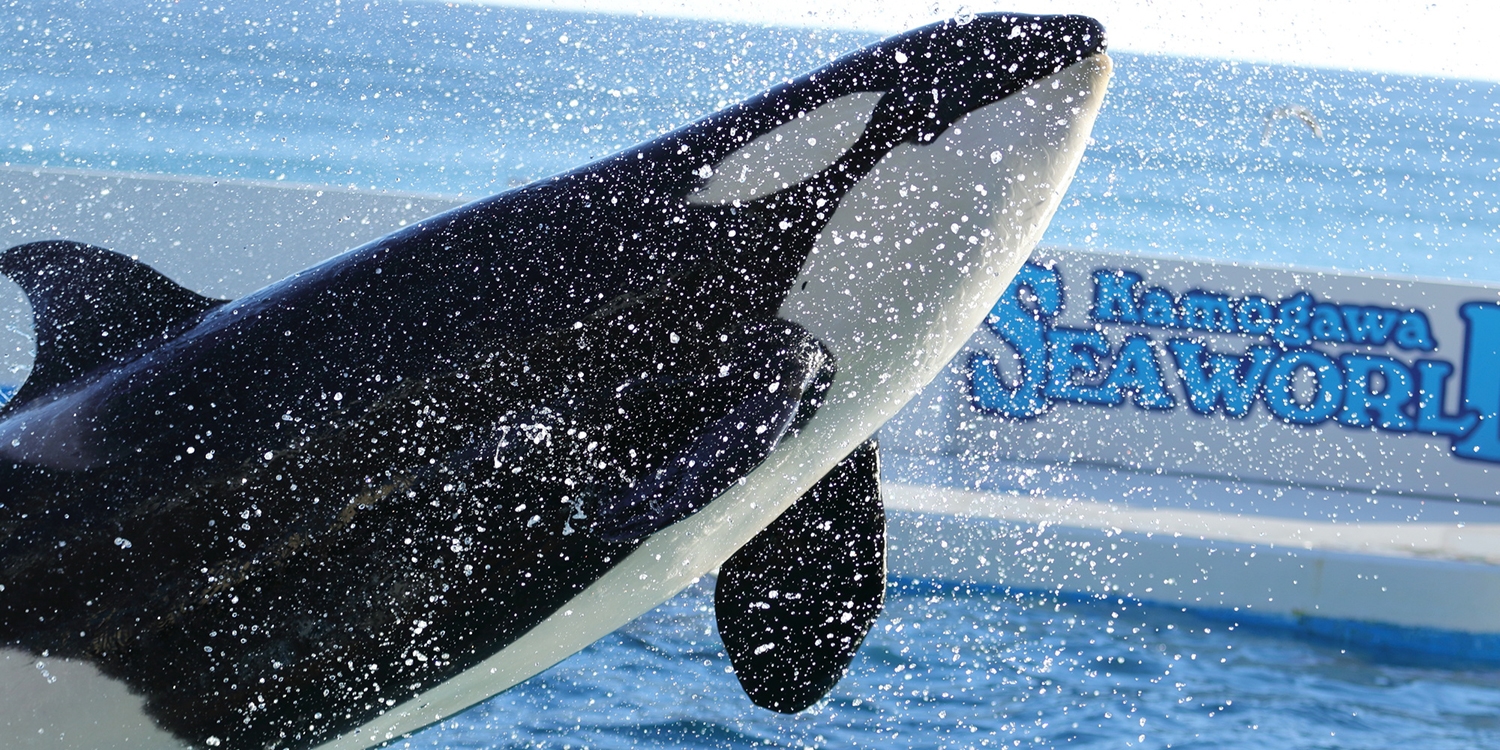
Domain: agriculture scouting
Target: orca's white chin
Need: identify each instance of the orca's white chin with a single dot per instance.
(920, 249)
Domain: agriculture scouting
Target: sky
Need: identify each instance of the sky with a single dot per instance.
(1453, 38)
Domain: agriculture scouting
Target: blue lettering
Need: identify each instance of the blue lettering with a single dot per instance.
(1280, 396)
(1368, 403)
(1114, 297)
(1369, 325)
(1072, 352)
(1327, 324)
(992, 394)
(1158, 308)
(1255, 316)
(1292, 318)
(1300, 385)
(1137, 372)
(1023, 327)
(1207, 312)
(1482, 380)
(1432, 385)
(1213, 381)
(1412, 332)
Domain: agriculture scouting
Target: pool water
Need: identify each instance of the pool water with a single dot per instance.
(952, 667)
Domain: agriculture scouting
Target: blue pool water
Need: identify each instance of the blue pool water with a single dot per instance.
(421, 96)
(959, 668)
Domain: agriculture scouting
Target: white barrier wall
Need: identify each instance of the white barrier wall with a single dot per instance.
(1314, 448)
(216, 237)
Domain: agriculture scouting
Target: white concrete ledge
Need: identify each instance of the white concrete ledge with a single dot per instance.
(1422, 577)
(1478, 542)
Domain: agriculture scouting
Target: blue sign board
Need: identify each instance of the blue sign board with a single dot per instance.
(1397, 358)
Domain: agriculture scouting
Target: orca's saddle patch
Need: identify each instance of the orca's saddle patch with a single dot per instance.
(92, 307)
(795, 603)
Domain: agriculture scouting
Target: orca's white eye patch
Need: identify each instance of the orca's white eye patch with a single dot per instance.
(791, 153)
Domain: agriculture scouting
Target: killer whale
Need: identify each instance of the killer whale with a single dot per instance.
(392, 485)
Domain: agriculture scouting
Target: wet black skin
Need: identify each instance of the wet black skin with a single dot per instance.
(274, 518)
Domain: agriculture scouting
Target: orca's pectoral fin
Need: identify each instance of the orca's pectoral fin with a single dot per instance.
(795, 603)
(769, 380)
(92, 306)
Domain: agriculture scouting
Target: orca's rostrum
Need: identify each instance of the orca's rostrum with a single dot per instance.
(401, 481)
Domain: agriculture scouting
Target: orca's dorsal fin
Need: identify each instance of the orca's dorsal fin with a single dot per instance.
(91, 307)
